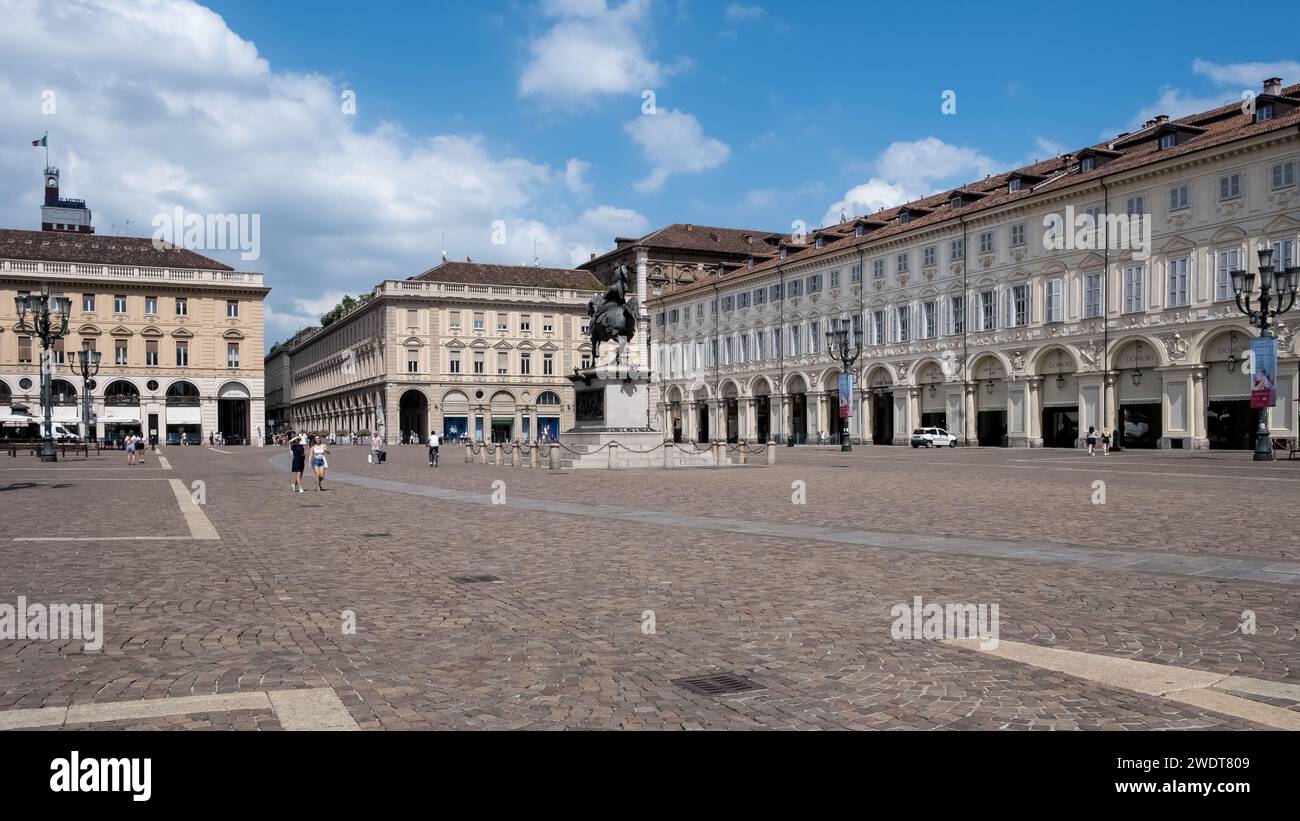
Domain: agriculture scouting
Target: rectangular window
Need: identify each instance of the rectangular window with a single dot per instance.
(1136, 206)
(742, 299)
(1168, 140)
(412, 360)
(956, 319)
(986, 242)
(503, 363)
(856, 272)
(959, 249)
(1087, 164)
(503, 322)
(878, 328)
(1018, 310)
(673, 316)
(795, 287)
(88, 303)
(25, 349)
(119, 352)
(1134, 289)
(151, 305)
(453, 321)
(1229, 187)
(1091, 295)
(151, 352)
(1283, 253)
(744, 348)
(1228, 261)
(814, 283)
(548, 324)
(728, 304)
(902, 263)
(1284, 175)
(1176, 270)
(903, 323)
(525, 362)
(182, 354)
(182, 306)
(835, 278)
(1018, 235)
(454, 362)
(815, 337)
(480, 321)
(479, 361)
(232, 309)
(928, 256)
(526, 323)
(929, 320)
(1055, 294)
(119, 304)
(988, 310)
(796, 340)
(759, 342)
(548, 364)
(1180, 198)
(728, 350)
(877, 269)
(232, 354)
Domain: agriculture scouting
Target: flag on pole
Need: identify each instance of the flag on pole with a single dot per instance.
(41, 142)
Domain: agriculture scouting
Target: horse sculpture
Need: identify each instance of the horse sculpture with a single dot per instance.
(613, 317)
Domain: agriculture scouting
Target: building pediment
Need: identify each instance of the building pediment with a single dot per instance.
(89, 330)
(456, 343)
(1174, 244)
(121, 331)
(233, 333)
(503, 346)
(409, 342)
(1282, 223)
(478, 344)
(1229, 233)
(181, 333)
(151, 333)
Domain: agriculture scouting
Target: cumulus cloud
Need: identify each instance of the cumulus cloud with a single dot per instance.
(161, 105)
(673, 142)
(739, 11)
(908, 170)
(574, 172)
(591, 50)
(1246, 75)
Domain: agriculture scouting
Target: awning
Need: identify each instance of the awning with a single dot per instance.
(503, 420)
(187, 415)
(113, 415)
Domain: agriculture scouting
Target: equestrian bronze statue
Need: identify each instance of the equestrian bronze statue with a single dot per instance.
(613, 317)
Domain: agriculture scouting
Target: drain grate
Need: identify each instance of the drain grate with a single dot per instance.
(474, 579)
(718, 684)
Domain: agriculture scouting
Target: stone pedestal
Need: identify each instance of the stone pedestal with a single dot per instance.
(611, 426)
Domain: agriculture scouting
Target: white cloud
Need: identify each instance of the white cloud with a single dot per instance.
(161, 105)
(674, 143)
(1246, 75)
(574, 173)
(908, 170)
(1048, 148)
(591, 50)
(738, 11)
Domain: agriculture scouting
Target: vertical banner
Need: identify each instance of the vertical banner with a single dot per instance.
(1263, 383)
(846, 395)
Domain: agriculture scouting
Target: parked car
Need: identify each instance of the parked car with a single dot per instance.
(933, 438)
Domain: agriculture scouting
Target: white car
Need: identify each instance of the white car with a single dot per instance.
(933, 438)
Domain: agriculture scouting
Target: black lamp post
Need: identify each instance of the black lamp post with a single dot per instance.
(87, 365)
(1278, 289)
(50, 322)
(837, 343)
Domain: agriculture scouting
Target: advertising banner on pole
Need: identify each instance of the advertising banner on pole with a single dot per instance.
(1263, 382)
(846, 395)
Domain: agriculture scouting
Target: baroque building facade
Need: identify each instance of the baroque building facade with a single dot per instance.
(179, 334)
(465, 348)
(1092, 289)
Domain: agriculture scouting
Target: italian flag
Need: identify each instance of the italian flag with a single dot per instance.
(39, 143)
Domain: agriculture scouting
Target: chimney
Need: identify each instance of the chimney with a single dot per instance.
(1273, 85)
(1161, 118)
(593, 256)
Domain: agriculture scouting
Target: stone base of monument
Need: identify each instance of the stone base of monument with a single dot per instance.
(611, 427)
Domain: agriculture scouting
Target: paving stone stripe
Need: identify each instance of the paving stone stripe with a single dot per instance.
(317, 708)
(1268, 571)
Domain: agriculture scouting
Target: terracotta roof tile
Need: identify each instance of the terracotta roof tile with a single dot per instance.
(58, 246)
(482, 273)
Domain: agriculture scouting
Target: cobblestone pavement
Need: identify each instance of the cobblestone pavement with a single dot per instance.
(558, 641)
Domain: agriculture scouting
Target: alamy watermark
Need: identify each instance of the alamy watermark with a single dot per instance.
(1093, 231)
(209, 232)
(945, 621)
(53, 622)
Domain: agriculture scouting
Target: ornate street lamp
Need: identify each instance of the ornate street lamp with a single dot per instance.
(1060, 377)
(837, 343)
(87, 365)
(1277, 287)
(50, 322)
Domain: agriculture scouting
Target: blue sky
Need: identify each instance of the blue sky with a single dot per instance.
(532, 114)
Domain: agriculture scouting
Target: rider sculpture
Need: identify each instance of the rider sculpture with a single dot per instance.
(613, 317)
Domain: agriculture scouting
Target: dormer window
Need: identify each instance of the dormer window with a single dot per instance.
(904, 217)
(782, 252)
(1264, 112)
(821, 241)
(858, 231)
(955, 202)
(1087, 164)
(1014, 185)
(1168, 140)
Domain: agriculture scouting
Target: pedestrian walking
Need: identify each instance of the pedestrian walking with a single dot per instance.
(298, 446)
(1092, 439)
(1105, 443)
(318, 462)
(434, 442)
(130, 449)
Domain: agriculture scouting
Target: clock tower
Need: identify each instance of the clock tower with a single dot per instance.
(61, 214)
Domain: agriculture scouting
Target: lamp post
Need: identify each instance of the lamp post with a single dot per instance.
(87, 365)
(837, 343)
(50, 322)
(1276, 287)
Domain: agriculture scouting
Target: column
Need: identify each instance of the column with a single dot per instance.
(643, 318)
(913, 410)
(969, 414)
(864, 417)
(688, 420)
(1112, 409)
(1199, 409)
(1034, 424)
